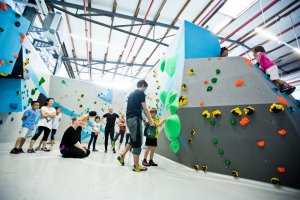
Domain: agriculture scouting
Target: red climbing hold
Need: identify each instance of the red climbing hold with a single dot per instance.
(23, 36)
(209, 58)
(239, 83)
(281, 170)
(261, 143)
(16, 56)
(244, 121)
(201, 103)
(282, 132)
(282, 100)
(219, 58)
(1, 62)
(205, 82)
(3, 7)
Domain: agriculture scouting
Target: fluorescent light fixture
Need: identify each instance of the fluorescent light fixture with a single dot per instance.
(234, 8)
(119, 85)
(96, 42)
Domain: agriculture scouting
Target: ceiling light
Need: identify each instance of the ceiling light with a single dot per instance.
(234, 8)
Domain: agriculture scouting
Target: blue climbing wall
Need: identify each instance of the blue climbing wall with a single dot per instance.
(11, 28)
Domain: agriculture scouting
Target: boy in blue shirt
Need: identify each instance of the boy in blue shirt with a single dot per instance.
(28, 124)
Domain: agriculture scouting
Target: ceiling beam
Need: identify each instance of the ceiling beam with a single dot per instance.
(203, 10)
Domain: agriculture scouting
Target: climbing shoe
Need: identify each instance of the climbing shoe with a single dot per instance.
(139, 168)
(20, 151)
(38, 148)
(14, 151)
(114, 151)
(30, 151)
(145, 163)
(121, 160)
(151, 163)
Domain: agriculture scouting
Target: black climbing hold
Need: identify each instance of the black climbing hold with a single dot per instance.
(190, 140)
(17, 15)
(193, 132)
(196, 167)
(204, 168)
(235, 173)
(17, 24)
(1, 29)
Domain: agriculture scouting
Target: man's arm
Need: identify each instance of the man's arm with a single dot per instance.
(146, 112)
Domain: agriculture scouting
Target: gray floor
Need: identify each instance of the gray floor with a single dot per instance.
(43, 176)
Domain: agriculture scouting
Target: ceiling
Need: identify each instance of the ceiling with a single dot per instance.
(104, 53)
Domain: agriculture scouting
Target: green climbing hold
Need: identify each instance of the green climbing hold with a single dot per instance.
(174, 107)
(221, 152)
(175, 146)
(171, 66)
(17, 15)
(163, 96)
(215, 141)
(42, 80)
(171, 97)
(209, 88)
(33, 92)
(30, 100)
(172, 127)
(214, 80)
(232, 121)
(218, 71)
(227, 162)
(163, 64)
(212, 122)
(64, 82)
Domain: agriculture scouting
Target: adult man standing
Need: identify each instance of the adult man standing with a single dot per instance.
(135, 105)
(110, 126)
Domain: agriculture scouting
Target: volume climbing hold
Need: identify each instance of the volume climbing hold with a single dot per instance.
(232, 121)
(282, 132)
(260, 143)
(209, 88)
(214, 141)
(239, 83)
(212, 122)
(206, 114)
(276, 108)
(216, 113)
(218, 71)
(281, 170)
(244, 121)
(197, 167)
(193, 132)
(204, 168)
(249, 110)
(182, 100)
(227, 162)
(236, 111)
(190, 140)
(221, 152)
(235, 173)
(214, 80)
(275, 181)
(183, 87)
(191, 72)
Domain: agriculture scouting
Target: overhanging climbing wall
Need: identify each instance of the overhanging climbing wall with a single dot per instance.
(259, 146)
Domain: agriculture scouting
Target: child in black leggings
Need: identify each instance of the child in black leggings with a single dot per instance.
(95, 132)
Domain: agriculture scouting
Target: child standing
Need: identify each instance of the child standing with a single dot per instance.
(270, 68)
(122, 129)
(151, 138)
(95, 132)
(28, 119)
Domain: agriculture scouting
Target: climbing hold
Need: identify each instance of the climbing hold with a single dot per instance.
(282, 100)
(172, 127)
(42, 80)
(1, 30)
(214, 141)
(17, 24)
(158, 87)
(244, 121)
(191, 72)
(27, 51)
(182, 100)
(212, 122)
(239, 83)
(204, 168)
(193, 132)
(175, 146)
(183, 87)
(3, 7)
(157, 100)
(12, 119)
(163, 64)
(30, 100)
(170, 66)
(218, 71)
(281, 170)
(248, 61)
(276, 108)
(16, 56)
(235, 173)
(190, 140)
(23, 36)
(196, 167)
(236, 111)
(1, 62)
(216, 113)
(163, 96)
(275, 181)
(275, 89)
(13, 106)
(282, 132)
(206, 114)
(80, 106)
(18, 92)
(227, 162)
(26, 62)
(209, 88)
(208, 58)
(249, 110)
(214, 80)
(205, 82)
(201, 103)
(219, 58)
(9, 62)
(221, 152)
(232, 121)
(260, 143)
(17, 15)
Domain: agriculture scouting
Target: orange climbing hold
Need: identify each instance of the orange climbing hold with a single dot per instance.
(281, 170)
(3, 7)
(16, 56)
(239, 83)
(208, 58)
(23, 36)
(244, 121)
(219, 58)
(201, 103)
(205, 82)
(282, 100)
(282, 132)
(248, 61)
(261, 143)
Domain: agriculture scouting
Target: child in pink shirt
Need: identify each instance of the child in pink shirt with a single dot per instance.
(270, 68)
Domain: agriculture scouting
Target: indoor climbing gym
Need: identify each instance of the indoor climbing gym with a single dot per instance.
(150, 99)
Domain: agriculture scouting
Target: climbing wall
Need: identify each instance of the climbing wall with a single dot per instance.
(78, 97)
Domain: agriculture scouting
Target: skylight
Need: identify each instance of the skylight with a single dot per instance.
(234, 8)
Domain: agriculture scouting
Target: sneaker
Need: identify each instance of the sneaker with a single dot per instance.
(21, 150)
(95, 150)
(151, 163)
(45, 149)
(121, 160)
(145, 163)
(38, 148)
(114, 151)
(30, 151)
(113, 144)
(139, 169)
(14, 151)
